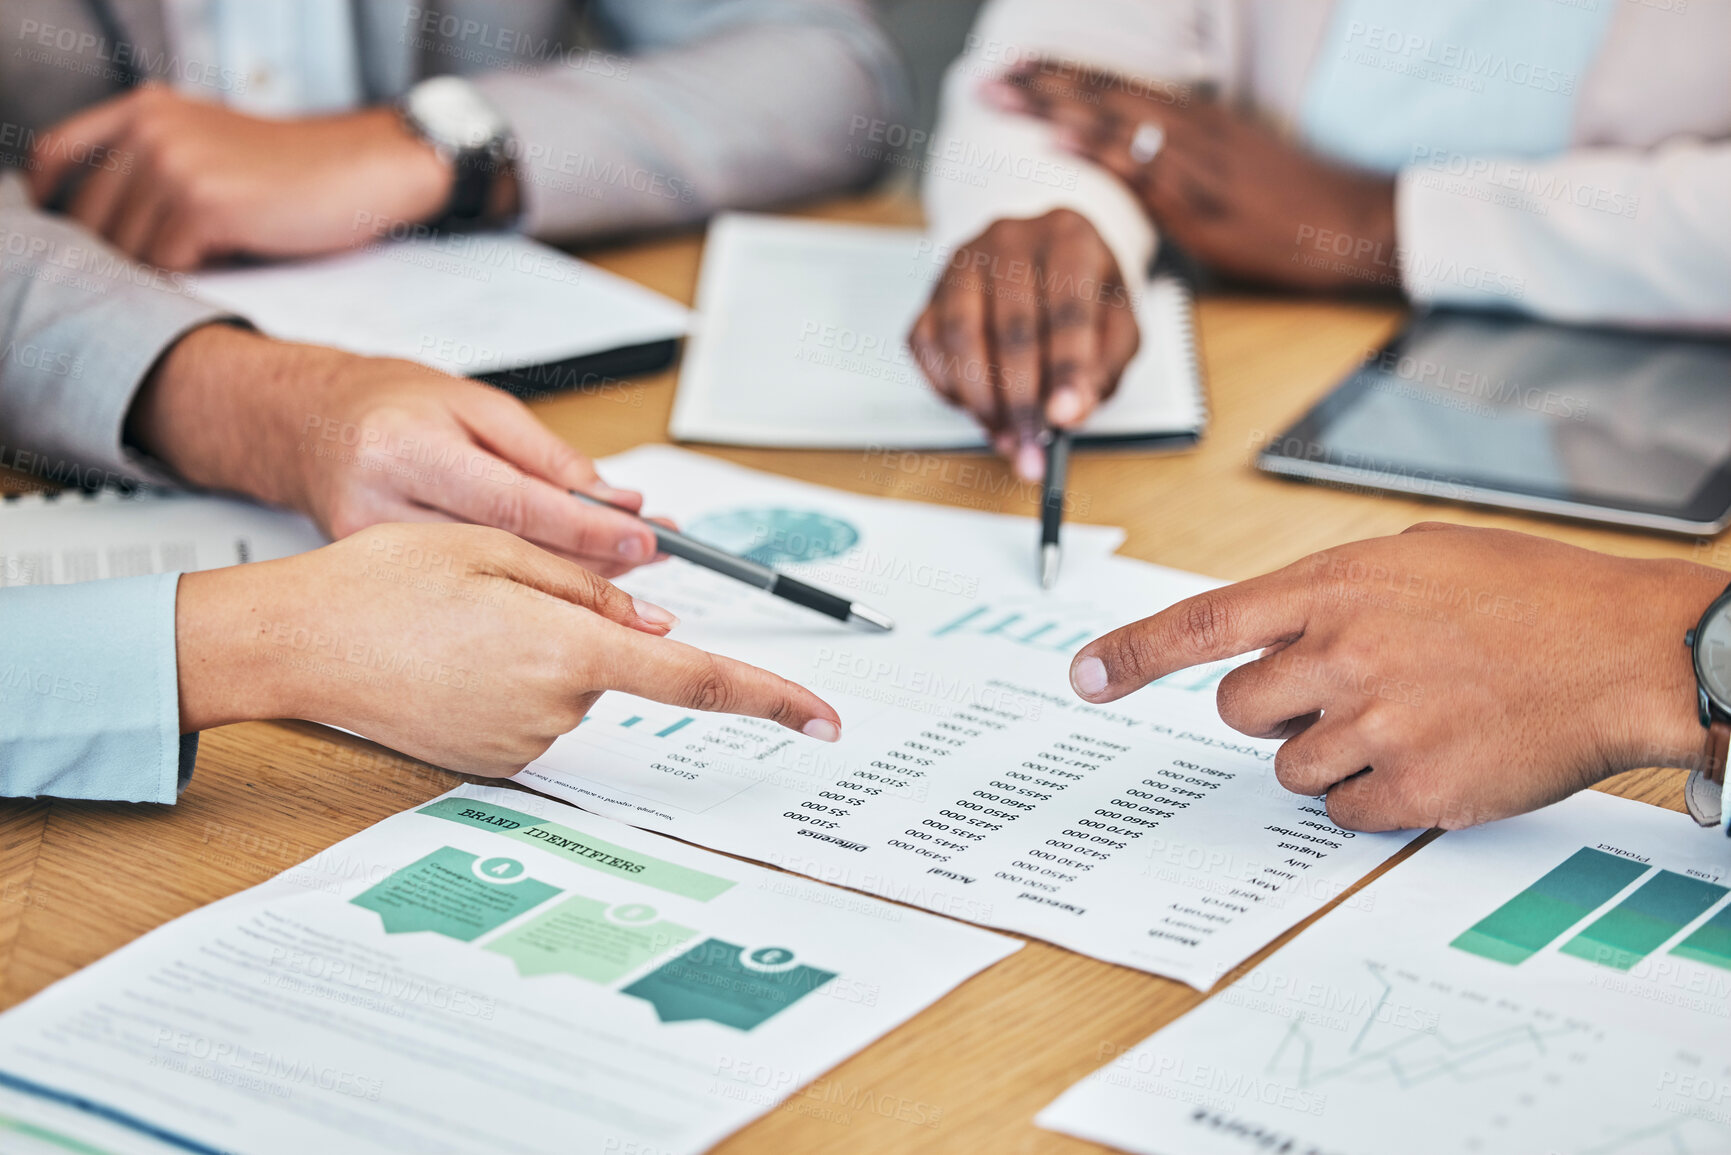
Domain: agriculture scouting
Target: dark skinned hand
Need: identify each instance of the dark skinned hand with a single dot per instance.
(1228, 190)
(1441, 677)
(1029, 327)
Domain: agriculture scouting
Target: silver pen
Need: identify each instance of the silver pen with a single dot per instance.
(671, 541)
(1052, 506)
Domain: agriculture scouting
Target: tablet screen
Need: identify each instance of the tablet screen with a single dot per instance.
(1616, 419)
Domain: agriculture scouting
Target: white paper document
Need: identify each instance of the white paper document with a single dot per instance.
(915, 560)
(74, 536)
(800, 340)
(492, 972)
(469, 305)
(1558, 982)
(970, 779)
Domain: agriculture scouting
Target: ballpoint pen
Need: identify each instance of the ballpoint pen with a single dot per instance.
(671, 541)
(1052, 506)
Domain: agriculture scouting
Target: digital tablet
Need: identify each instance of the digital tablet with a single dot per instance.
(1631, 428)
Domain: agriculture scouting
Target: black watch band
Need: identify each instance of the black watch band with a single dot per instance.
(1704, 791)
(467, 210)
(471, 135)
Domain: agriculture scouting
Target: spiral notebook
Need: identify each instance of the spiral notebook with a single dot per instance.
(800, 342)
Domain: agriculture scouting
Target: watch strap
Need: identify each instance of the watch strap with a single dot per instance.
(1704, 793)
(467, 209)
(475, 170)
(1716, 749)
(1703, 798)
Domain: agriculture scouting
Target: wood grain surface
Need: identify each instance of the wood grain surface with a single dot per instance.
(78, 880)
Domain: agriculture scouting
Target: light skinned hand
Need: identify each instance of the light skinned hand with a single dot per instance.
(1028, 328)
(180, 183)
(1442, 677)
(353, 441)
(460, 645)
(1228, 189)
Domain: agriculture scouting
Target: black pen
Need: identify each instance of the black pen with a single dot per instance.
(671, 541)
(1052, 506)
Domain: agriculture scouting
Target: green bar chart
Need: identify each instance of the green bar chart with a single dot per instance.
(1710, 942)
(1039, 631)
(1532, 919)
(666, 731)
(1637, 926)
(1061, 629)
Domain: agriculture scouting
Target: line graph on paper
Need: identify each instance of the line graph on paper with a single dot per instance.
(1395, 1039)
(1424, 1044)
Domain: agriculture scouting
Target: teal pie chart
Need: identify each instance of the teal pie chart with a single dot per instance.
(772, 535)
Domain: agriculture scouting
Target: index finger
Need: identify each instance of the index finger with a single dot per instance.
(472, 484)
(1222, 623)
(1014, 330)
(959, 302)
(682, 675)
(1076, 377)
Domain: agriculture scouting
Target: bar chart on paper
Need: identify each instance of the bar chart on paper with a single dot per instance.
(1043, 625)
(1624, 933)
(660, 729)
(662, 756)
(1506, 991)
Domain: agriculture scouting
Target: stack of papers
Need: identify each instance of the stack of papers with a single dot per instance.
(970, 779)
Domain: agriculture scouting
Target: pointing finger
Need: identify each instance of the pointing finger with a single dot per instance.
(682, 675)
(1222, 623)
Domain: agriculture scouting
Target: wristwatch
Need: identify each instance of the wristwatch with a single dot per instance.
(1710, 645)
(465, 128)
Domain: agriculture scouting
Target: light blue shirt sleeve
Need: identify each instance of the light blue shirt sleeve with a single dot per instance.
(89, 695)
(1395, 81)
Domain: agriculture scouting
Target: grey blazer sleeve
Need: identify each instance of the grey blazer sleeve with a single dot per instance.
(716, 104)
(80, 327)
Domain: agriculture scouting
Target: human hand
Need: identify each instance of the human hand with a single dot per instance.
(1029, 327)
(182, 182)
(459, 645)
(1227, 189)
(353, 441)
(1441, 677)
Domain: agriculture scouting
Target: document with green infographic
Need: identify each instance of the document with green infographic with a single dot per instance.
(1559, 982)
(491, 972)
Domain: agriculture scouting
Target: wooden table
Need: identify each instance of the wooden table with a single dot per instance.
(78, 880)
